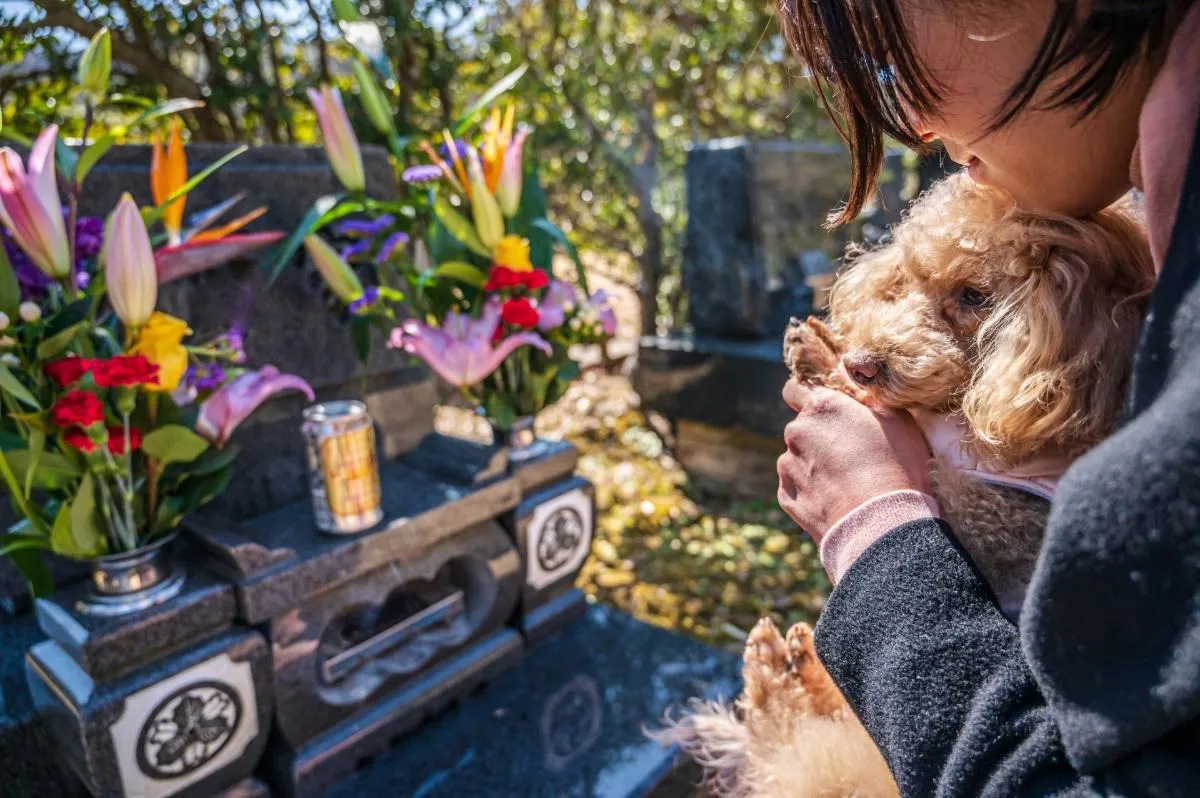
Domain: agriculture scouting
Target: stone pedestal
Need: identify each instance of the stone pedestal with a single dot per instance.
(374, 632)
(552, 526)
(174, 700)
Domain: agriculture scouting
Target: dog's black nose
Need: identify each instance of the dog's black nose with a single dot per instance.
(861, 366)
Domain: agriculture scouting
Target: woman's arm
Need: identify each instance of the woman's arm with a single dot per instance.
(1104, 702)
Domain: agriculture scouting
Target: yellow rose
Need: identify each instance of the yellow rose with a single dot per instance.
(513, 252)
(161, 341)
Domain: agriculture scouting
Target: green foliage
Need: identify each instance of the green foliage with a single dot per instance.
(174, 443)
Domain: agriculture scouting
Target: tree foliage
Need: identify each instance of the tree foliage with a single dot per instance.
(616, 89)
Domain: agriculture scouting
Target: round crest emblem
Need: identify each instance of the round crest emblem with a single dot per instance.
(187, 729)
(561, 535)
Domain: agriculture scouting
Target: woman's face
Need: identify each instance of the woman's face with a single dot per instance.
(1048, 160)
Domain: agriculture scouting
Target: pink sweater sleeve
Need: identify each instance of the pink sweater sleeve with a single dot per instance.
(857, 530)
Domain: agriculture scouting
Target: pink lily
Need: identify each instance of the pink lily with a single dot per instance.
(233, 402)
(30, 206)
(559, 300)
(341, 145)
(461, 352)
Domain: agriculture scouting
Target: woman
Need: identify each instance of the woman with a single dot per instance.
(1066, 105)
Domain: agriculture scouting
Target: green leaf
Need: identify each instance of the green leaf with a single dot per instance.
(499, 411)
(69, 316)
(66, 159)
(154, 214)
(37, 444)
(199, 491)
(312, 221)
(211, 461)
(92, 155)
(463, 272)
(76, 532)
(174, 444)
(45, 471)
(11, 543)
(170, 512)
(458, 226)
(488, 97)
(55, 345)
(360, 332)
(569, 371)
(31, 565)
(10, 383)
(10, 289)
(555, 232)
(346, 11)
(173, 106)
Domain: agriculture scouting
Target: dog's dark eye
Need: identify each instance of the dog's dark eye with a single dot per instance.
(972, 298)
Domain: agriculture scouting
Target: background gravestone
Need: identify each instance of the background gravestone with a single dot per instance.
(756, 247)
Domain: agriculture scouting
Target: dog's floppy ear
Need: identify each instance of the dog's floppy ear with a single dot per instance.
(1055, 353)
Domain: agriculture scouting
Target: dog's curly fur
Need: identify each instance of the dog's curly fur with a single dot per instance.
(1023, 323)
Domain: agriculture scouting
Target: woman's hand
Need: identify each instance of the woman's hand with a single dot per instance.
(841, 453)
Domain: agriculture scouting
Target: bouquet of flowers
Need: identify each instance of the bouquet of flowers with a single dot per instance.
(459, 273)
(112, 427)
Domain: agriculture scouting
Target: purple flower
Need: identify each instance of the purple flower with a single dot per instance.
(365, 228)
(423, 173)
(397, 239)
(552, 310)
(461, 351)
(598, 302)
(205, 377)
(82, 280)
(370, 297)
(235, 341)
(89, 238)
(461, 147)
(352, 251)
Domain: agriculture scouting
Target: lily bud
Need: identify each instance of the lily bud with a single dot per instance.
(30, 206)
(508, 191)
(341, 145)
(374, 99)
(129, 271)
(338, 275)
(489, 224)
(95, 66)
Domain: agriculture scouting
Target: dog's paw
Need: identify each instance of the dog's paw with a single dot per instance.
(811, 350)
(804, 664)
(764, 666)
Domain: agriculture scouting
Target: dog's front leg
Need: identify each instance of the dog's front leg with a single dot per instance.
(813, 353)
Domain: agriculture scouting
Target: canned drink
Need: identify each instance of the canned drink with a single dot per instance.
(343, 472)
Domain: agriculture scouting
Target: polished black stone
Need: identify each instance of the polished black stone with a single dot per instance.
(569, 722)
(279, 559)
(721, 382)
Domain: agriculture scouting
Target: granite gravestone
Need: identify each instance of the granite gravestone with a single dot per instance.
(288, 325)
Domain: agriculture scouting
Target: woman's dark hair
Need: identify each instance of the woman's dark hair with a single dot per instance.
(865, 70)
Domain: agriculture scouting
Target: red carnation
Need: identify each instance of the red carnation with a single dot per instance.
(125, 371)
(80, 440)
(519, 313)
(536, 279)
(69, 370)
(501, 277)
(77, 409)
(116, 439)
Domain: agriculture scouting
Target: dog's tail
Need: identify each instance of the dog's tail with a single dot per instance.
(710, 733)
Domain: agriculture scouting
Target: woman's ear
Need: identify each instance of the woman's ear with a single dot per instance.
(1056, 354)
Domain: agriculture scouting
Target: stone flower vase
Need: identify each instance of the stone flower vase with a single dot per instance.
(520, 440)
(133, 580)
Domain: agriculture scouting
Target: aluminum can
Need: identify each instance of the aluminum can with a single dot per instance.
(343, 469)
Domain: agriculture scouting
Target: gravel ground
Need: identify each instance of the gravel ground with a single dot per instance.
(673, 552)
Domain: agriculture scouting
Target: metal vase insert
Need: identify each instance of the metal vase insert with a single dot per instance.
(133, 580)
(520, 440)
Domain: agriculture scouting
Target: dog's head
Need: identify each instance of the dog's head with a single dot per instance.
(1024, 322)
